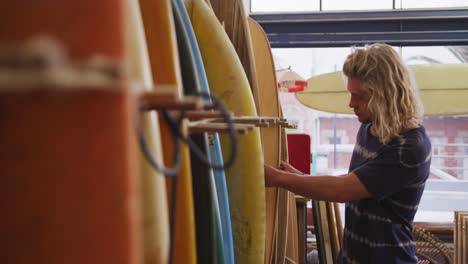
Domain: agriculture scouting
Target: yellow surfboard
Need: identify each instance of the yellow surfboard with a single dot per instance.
(154, 203)
(443, 89)
(268, 105)
(245, 178)
(283, 207)
(233, 17)
(162, 48)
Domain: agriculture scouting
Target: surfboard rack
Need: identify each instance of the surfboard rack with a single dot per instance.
(160, 100)
(261, 121)
(197, 115)
(288, 125)
(202, 127)
(204, 118)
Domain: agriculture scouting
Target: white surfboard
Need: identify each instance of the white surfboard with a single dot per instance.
(443, 89)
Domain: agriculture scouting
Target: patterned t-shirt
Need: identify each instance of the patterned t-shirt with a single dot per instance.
(380, 229)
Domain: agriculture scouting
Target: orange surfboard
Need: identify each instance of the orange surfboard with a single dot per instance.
(70, 187)
(86, 28)
(164, 59)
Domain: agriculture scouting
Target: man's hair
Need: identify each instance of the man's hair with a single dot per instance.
(394, 103)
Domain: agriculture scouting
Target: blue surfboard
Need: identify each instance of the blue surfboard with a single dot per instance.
(214, 144)
(207, 217)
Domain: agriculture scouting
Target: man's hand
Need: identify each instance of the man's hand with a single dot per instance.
(341, 189)
(272, 176)
(287, 167)
(275, 177)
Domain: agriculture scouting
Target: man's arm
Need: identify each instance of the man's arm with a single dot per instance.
(342, 188)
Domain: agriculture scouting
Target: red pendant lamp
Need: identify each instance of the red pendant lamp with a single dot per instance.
(290, 81)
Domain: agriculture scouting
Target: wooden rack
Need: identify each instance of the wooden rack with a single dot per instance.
(167, 100)
(201, 114)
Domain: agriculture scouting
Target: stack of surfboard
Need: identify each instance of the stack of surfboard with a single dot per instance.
(280, 204)
(87, 194)
(254, 52)
(245, 183)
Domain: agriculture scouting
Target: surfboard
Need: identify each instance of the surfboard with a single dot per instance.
(283, 205)
(164, 59)
(459, 238)
(335, 244)
(79, 199)
(324, 223)
(245, 179)
(232, 16)
(268, 105)
(154, 202)
(104, 26)
(70, 151)
(339, 224)
(292, 249)
(464, 250)
(442, 87)
(214, 143)
(207, 218)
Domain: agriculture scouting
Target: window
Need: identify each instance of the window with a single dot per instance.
(281, 6)
(430, 3)
(276, 6)
(341, 5)
(447, 188)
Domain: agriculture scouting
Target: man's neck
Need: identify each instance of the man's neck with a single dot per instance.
(374, 133)
(372, 130)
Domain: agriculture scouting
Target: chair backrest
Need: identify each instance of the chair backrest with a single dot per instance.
(430, 249)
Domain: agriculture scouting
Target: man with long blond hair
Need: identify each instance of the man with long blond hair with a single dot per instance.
(389, 166)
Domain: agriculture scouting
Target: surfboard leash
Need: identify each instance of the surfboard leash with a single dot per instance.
(195, 148)
(168, 172)
(174, 125)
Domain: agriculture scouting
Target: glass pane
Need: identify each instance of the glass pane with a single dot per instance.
(309, 62)
(333, 135)
(447, 132)
(328, 5)
(276, 6)
(435, 54)
(430, 3)
(449, 136)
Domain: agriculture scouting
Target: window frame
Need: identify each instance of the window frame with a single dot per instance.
(426, 27)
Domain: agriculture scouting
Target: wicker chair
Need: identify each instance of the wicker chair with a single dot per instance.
(430, 249)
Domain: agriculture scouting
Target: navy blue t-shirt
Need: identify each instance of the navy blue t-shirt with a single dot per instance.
(380, 229)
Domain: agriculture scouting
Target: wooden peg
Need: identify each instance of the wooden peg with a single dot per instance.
(271, 120)
(157, 101)
(196, 115)
(288, 125)
(252, 120)
(263, 124)
(208, 106)
(202, 127)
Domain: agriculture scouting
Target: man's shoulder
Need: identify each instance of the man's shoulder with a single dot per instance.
(413, 146)
(364, 128)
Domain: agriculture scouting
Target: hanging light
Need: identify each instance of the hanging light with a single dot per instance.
(290, 81)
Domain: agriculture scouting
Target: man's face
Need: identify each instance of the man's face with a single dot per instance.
(359, 100)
